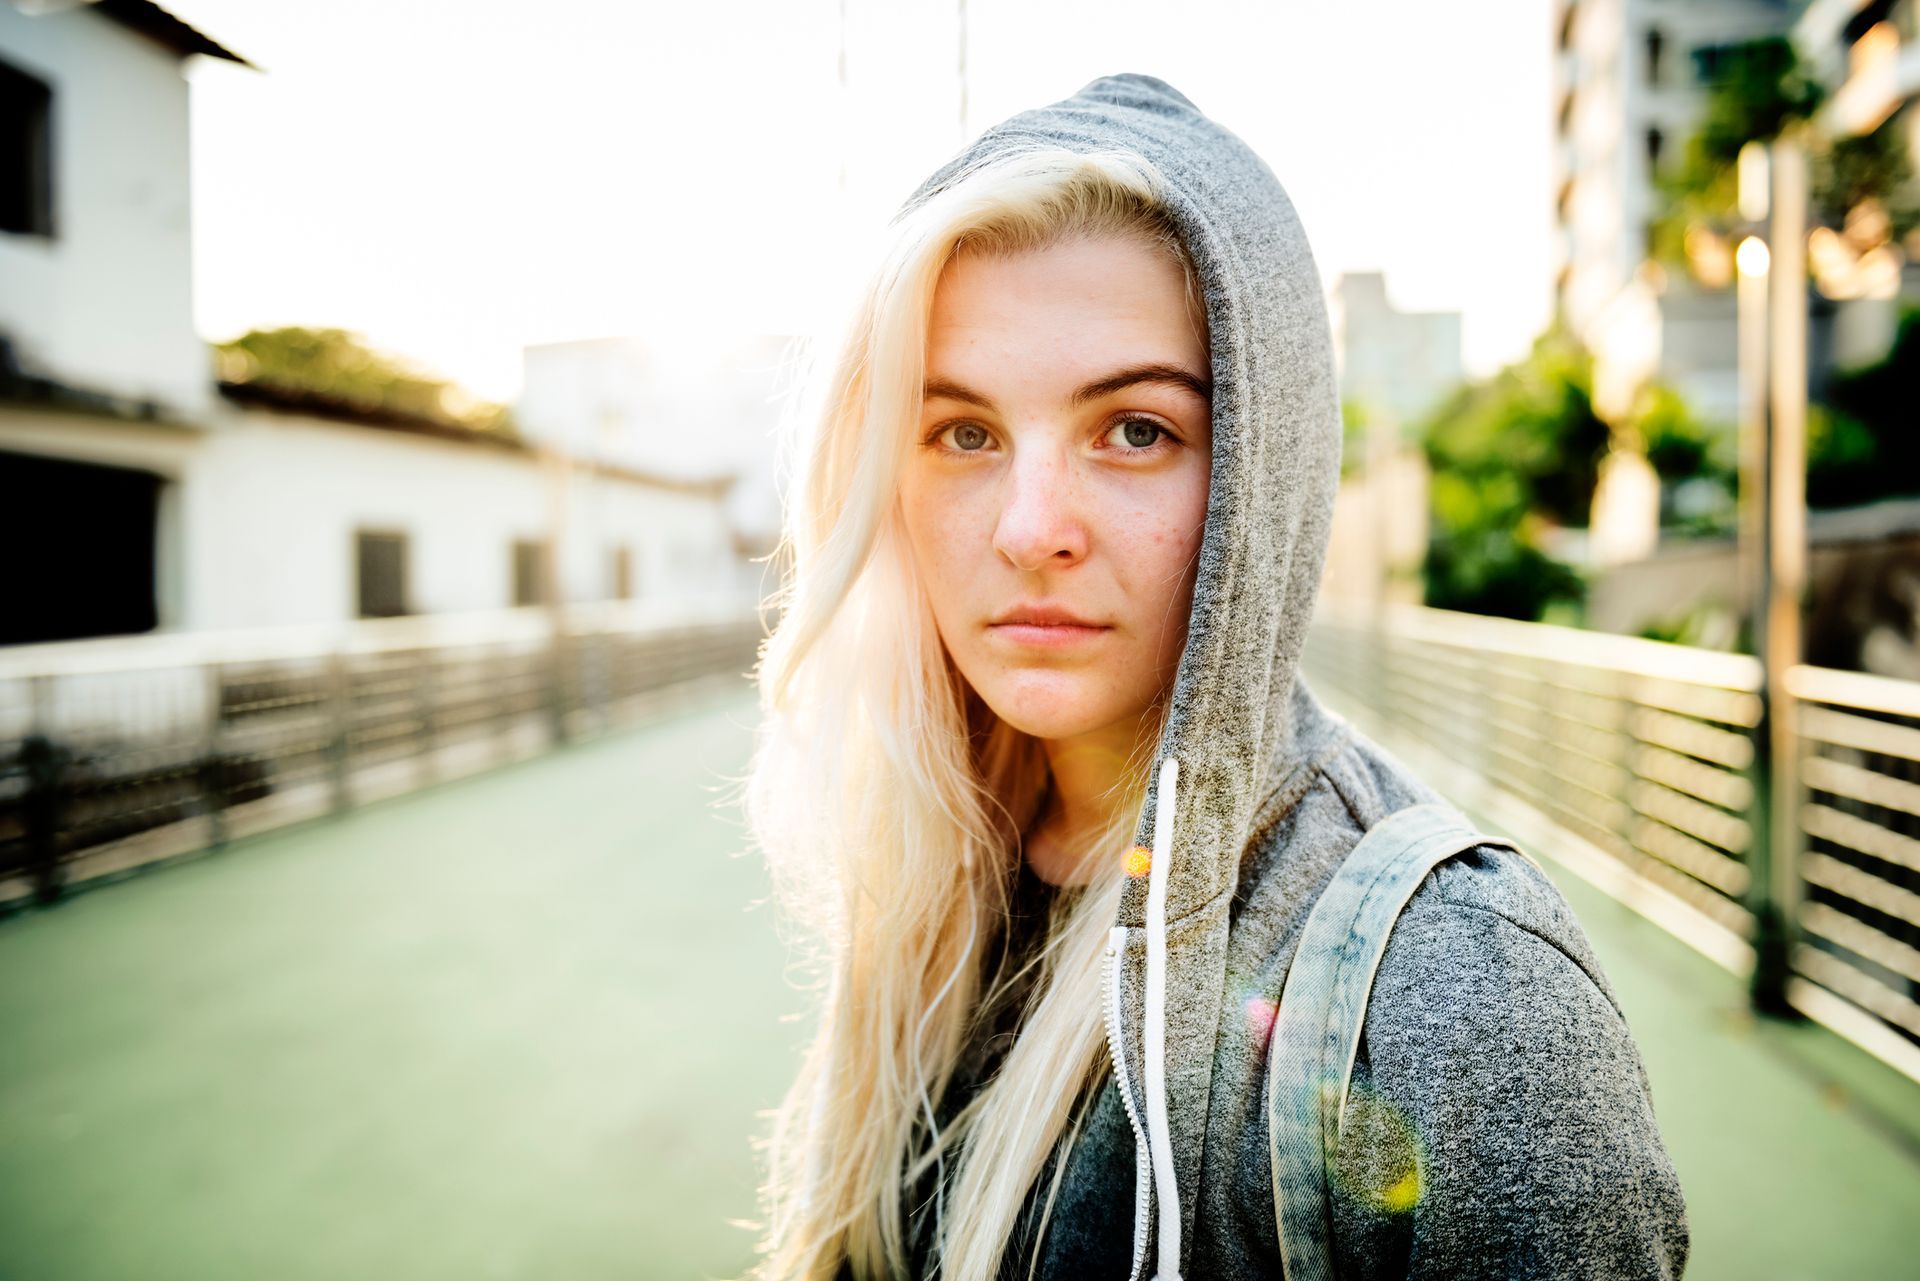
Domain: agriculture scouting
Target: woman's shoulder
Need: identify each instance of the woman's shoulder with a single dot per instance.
(1487, 944)
(1348, 790)
(1500, 1121)
(1494, 1047)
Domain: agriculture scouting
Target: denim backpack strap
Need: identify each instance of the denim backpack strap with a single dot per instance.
(1316, 1032)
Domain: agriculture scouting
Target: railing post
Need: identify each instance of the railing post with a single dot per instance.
(213, 765)
(426, 697)
(558, 657)
(339, 703)
(603, 682)
(500, 663)
(45, 765)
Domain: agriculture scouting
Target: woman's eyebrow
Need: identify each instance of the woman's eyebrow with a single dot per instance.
(1133, 375)
(1118, 380)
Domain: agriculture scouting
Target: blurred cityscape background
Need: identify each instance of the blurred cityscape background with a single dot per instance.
(386, 405)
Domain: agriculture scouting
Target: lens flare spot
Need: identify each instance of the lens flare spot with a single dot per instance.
(1402, 1196)
(1139, 860)
(1260, 1012)
(1381, 1162)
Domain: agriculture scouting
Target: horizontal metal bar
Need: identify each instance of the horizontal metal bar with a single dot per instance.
(1863, 835)
(1845, 730)
(1823, 773)
(1855, 689)
(1862, 939)
(1863, 887)
(1837, 976)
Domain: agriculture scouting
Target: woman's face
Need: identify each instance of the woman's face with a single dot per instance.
(1056, 487)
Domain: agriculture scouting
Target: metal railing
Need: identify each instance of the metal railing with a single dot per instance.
(1643, 758)
(118, 753)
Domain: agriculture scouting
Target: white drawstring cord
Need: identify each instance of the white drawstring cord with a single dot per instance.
(1158, 1138)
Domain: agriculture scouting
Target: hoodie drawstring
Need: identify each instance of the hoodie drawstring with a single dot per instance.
(1159, 1140)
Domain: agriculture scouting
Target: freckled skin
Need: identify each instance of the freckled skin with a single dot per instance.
(1041, 499)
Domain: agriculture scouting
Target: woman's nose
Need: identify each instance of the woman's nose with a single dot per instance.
(1040, 524)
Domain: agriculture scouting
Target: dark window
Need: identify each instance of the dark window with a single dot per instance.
(1656, 46)
(1655, 142)
(83, 542)
(1713, 63)
(26, 153)
(623, 573)
(380, 573)
(529, 571)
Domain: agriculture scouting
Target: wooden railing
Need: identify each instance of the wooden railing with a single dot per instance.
(116, 754)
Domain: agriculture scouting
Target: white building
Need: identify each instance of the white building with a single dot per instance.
(96, 283)
(135, 495)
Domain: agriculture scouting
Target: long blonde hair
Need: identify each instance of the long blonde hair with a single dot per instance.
(890, 802)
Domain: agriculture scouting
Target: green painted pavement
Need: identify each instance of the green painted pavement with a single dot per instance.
(520, 1026)
(1799, 1155)
(517, 1026)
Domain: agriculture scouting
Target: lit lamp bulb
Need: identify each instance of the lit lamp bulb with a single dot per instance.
(1752, 256)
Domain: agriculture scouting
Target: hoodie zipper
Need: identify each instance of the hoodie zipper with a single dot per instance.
(1142, 1170)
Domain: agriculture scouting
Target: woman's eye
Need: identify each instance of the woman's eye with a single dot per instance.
(970, 436)
(1136, 433)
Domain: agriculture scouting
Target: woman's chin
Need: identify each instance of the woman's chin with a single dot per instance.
(1055, 706)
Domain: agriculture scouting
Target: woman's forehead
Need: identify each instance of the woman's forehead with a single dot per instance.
(1081, 303)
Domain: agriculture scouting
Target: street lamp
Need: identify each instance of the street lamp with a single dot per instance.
(1771, 304)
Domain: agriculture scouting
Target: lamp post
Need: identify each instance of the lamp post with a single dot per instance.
(1772, 320)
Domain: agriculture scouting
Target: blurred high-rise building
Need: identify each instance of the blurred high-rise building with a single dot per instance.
(1631, 78)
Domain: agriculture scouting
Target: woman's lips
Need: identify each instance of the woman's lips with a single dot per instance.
(1047, 635)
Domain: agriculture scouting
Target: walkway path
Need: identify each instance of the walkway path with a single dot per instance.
(459, 1035)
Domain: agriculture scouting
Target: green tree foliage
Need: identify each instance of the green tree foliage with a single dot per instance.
(1697, 461)
(1863, 171)
(337, 365)
(1355, 419)
(1511, 457)
(1760, 87)
(1863, 443)
(1761, 90)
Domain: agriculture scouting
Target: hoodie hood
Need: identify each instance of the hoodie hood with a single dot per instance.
(1240, 726)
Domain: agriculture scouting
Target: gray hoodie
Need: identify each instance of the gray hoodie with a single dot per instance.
(1500, 1123)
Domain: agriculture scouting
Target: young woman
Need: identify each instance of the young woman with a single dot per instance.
(1057, 532)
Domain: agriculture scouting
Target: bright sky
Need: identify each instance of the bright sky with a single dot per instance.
(459, 178)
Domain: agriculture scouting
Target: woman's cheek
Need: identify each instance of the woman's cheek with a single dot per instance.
(951, 545)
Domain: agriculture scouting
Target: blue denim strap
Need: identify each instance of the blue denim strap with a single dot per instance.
(1316, 1032)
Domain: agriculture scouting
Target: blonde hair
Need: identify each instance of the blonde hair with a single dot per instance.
(890, 802)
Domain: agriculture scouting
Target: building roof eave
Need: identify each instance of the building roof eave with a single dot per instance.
(157, 24)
